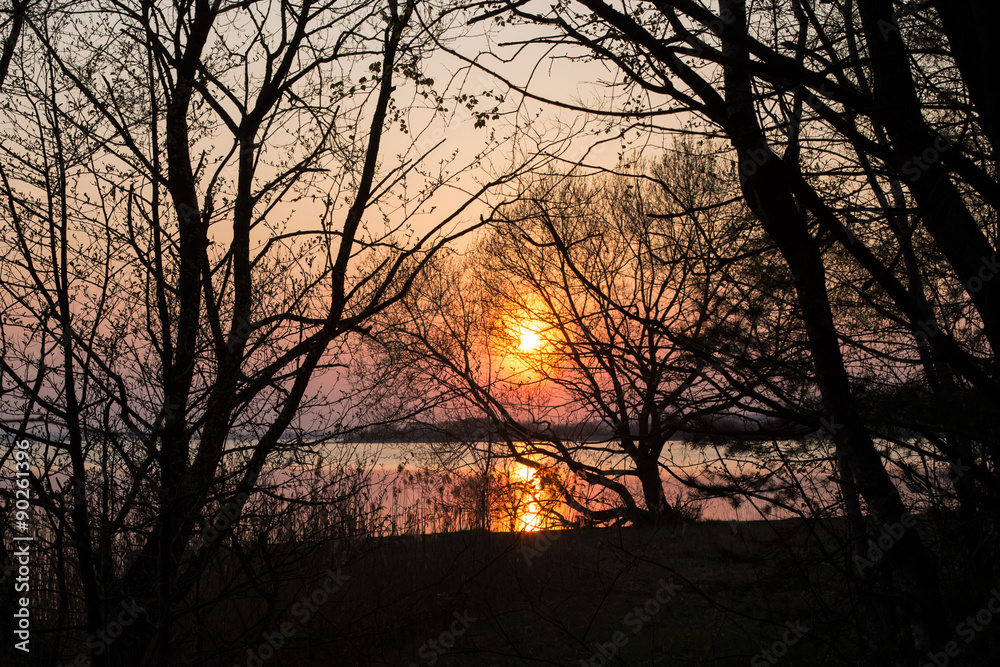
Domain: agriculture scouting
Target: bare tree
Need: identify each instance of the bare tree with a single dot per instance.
(578, 326)
(200, 211)
(862, 135)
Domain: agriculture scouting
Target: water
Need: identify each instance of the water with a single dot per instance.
(420, 488)
(430, 487)
(779, 480)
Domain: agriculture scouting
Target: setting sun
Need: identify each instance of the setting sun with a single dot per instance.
(528, 340)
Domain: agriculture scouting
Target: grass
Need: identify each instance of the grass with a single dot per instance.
(580, 597)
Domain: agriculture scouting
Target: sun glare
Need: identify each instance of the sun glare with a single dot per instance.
(526, 343)
(528, 340)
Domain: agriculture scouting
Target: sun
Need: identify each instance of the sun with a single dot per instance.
(526, 342)
(528, 339)
(529, 333)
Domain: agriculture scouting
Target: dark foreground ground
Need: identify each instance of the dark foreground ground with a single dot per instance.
(708, 593)
(712, 593)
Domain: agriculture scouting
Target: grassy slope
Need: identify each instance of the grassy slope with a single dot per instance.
(557, 598)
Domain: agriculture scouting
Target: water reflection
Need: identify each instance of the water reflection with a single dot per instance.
(416, 493)
(528, 515)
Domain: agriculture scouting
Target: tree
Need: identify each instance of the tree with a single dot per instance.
(865, 145)
(578, 323)
(198, 218)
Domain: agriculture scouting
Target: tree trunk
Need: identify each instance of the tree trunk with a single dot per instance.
(768, 196)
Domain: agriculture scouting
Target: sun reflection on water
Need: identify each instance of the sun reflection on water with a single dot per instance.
(529, 515)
